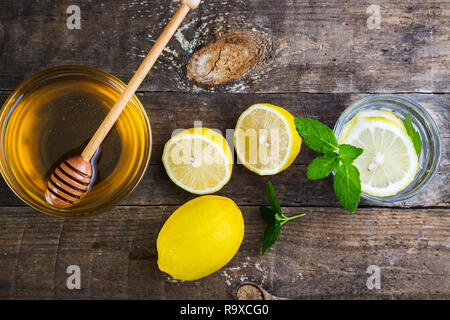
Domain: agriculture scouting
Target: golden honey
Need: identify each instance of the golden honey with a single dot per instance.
(52, 116)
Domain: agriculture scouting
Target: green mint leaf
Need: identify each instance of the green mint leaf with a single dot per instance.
(320, 138)
(275, 217)
(270, 236)
(322, 166)
(268, 214)
(316, 135)
(347, 186)
(413, 134)
(272, 197)
(349, 153)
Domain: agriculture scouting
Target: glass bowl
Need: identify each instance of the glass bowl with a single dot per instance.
(52, 115)
(422, 121)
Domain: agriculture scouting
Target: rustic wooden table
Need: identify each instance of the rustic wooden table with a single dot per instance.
(320, 56)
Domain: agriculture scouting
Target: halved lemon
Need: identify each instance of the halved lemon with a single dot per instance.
(389, 161)
(265, 139)
(198, 160)
(371, 113)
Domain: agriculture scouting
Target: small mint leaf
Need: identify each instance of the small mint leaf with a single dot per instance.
(349, 153)
(322, 166)
(316, 135)
(275, 217)
(268, 214)
(270, 236)
(347, 186)
(272, 197)
(413, 134)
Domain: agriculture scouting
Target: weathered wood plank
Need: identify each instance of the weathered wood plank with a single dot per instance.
(171, 111)
(322, 255)
(312, 46)
(246, 188)
(317, 46)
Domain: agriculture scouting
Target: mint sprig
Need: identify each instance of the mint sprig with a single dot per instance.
(275, 217)
(413, 134)
(336, 157)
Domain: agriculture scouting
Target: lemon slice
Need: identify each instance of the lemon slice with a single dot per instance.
(265, 139)
(198, 160)
(371, 113)
(389, 161)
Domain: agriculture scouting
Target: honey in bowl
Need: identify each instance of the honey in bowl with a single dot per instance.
(51, 117)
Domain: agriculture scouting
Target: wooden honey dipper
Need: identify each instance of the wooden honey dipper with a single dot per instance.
(73, 178)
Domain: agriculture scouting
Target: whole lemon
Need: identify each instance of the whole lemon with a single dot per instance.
(200, 237)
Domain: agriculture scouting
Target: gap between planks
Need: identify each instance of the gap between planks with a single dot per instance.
(9, 91)
(251, 206)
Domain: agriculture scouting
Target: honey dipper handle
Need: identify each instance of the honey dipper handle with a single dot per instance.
(138, 77)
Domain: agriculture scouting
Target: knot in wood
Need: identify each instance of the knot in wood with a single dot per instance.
(231, 56)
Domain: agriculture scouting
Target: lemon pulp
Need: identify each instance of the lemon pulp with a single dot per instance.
(265, 139)
(389, 162)
(198, 160)
(370, 113)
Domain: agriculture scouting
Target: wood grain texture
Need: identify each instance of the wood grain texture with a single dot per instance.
(322, 255)
(139, 76)
(170, 111)
(319, 57)
(327, 44)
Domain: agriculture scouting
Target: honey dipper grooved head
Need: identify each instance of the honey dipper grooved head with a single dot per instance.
(69, 182)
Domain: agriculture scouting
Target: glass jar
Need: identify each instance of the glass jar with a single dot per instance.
(430, 155)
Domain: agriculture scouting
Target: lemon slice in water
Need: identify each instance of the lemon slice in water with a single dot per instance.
(198, 160)
(389, 162)
(371, 113)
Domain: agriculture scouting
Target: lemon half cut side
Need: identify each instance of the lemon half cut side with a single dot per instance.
(198, 160)
(265, 139)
